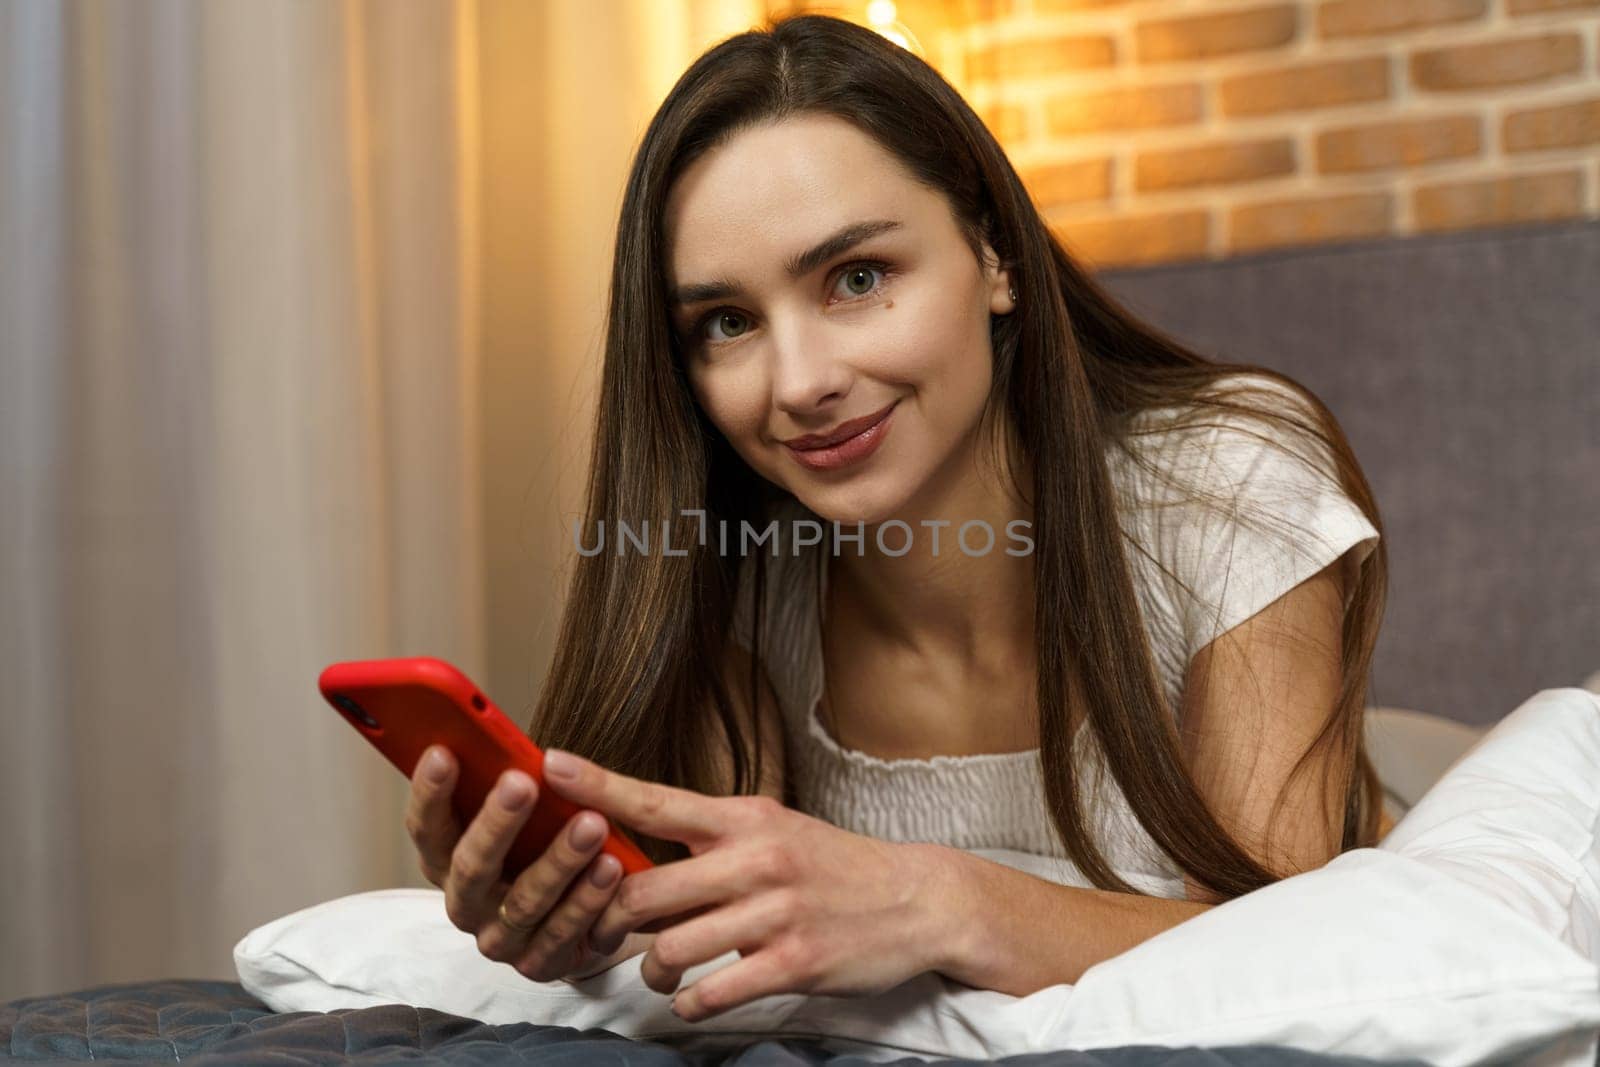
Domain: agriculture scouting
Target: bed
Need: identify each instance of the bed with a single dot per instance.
(212, 1023)
(1466, 373)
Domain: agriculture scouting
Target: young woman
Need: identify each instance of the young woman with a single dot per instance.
(1145, 696)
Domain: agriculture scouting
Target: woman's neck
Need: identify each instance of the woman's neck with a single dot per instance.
(968, 610)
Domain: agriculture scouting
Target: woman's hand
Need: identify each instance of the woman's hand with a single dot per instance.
(811, 908)
(556, 897)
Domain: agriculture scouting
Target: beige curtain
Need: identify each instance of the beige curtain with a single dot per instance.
(300, 320)
(241, 441)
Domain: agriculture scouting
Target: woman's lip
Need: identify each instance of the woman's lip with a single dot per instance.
(850, 450)
(873, 421)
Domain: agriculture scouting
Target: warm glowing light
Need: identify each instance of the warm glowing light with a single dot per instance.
(882, 16)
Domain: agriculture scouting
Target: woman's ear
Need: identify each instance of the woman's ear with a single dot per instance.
(1000, 282)
(1003, 294)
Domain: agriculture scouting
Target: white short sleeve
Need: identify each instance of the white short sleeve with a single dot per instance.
(1282, 517)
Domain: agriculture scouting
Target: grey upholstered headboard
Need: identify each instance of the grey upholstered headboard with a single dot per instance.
(1465, 370)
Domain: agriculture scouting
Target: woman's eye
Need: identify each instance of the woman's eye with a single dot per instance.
(857, 280)
(717, 318)
(857, 271)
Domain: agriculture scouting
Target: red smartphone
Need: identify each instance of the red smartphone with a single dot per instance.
(404, 705)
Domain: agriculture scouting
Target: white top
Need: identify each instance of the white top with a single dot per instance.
(993, 804)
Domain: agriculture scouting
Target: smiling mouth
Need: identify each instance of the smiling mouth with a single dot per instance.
(846, 453)
(814, 443)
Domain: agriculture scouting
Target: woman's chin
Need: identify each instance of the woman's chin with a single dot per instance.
(849, 505)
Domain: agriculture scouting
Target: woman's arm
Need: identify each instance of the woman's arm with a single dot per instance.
(1253, 700)
(1045, 934)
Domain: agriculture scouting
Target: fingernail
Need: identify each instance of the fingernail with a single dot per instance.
(585, 832)
(603, 874)
(513, 791)
(558, 764)
(434, 767)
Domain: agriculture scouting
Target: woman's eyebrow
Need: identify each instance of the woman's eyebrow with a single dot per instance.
(797, 267)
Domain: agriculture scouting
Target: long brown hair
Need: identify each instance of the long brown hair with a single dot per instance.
(636, 683)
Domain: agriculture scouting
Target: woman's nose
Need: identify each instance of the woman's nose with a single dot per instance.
(808, 368)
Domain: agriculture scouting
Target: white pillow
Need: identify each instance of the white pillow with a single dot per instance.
(1455, 952)
(1517, 816)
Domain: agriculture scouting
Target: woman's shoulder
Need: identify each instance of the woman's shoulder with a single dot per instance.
(1245, 435)
(1243, 404)
(1236, 503)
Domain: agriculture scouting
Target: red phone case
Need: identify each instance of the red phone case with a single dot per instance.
(404, 705)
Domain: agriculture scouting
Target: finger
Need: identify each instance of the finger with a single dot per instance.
(540, 887)
(651, 900)
(430, 822)
(653, 926)
(472, 892)
(619, 929)
(761, 974)
(648, 807)
(560, 946)
(744, 926)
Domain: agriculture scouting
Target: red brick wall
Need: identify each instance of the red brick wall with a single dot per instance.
(1158, 130)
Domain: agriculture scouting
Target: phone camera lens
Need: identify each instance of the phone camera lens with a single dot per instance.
(354, 710)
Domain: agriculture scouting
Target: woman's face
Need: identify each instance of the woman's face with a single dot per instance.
(899, 318)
